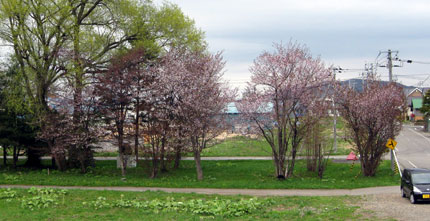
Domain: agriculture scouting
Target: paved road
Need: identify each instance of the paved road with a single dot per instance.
(413, 147)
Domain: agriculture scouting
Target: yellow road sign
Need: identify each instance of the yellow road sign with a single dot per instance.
(391, 144)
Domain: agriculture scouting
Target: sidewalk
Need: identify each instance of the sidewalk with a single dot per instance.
(335, 157)
(250, 192)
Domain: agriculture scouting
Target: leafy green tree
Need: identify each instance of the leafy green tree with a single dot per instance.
(35, 29)
(125, 24)
(59, 42)
(425, 109)
(47, 35)
(17, 132)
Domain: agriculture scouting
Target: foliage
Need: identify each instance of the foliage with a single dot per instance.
(42, 198)
(11, 177)
(425, 109)
(216, 207)
(276, 208)
(287, 87)
(8, 194)
(373, 116)
(115, 89)
(197, 97)
(64, 43)
(17, 130)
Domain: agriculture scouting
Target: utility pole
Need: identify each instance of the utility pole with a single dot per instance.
(390, 77)
(390, 66)
(339, 70)
(334, 114)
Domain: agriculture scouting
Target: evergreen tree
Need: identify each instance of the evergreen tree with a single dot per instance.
(425, 109)
(17, 133)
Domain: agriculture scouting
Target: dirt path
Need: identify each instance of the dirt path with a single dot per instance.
(393, 206)
(335, 157)
(251, 192)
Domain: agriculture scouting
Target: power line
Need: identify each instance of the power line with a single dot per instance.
(413, 61)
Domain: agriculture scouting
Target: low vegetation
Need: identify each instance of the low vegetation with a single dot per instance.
(248, 174)
(53, 204)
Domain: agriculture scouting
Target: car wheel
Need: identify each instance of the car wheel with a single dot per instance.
(412, 198)
(403, 192)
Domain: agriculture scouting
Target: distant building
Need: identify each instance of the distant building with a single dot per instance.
(233, 116)
(414, 100)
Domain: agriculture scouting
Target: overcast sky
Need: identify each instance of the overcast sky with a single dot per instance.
(345, 33)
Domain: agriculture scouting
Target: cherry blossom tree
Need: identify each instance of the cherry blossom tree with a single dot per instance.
(155, 135)
(196, 98)
(66, 137)
(286, 86)
(372, 117)
(115, 90)
(206, 103)
(160, 108)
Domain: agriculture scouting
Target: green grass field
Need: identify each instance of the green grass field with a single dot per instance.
(245, 147)
(19, 204)
(246, 174)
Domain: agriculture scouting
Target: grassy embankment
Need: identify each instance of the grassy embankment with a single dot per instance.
(218, 174)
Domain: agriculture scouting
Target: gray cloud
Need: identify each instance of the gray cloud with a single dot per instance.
(342, 32)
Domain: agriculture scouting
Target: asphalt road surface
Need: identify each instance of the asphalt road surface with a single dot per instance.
(413, 147)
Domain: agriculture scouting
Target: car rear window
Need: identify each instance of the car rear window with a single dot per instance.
(421, 178)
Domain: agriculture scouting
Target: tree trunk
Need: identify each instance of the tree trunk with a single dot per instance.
(4, 156)
(278, 162)
(15, 157)
(197, 159)
(178, 149)
(136, 132)
(163, 155)
(83, 166)
(60, 161)
(280, 169)
(122, 160)
(85, 159)
(53, 164)
(177, 158)
(368, 168)
(154, 170)
(73, 155)
(123, 163)
(292, 163)
(33, 158)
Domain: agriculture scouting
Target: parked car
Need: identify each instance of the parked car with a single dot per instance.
(415, 184)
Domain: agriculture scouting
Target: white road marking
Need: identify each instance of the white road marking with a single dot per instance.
(421, 135)
(412, 164)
